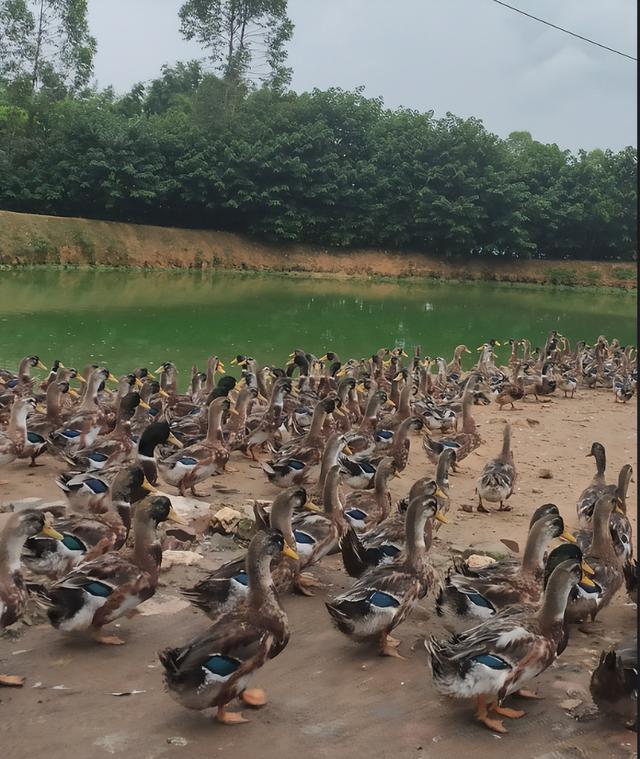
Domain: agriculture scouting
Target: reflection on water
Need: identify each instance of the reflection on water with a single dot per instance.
(130, 319)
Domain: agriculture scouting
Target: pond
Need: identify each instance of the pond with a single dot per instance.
(130, 318)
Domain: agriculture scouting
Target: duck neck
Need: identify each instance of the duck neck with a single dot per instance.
(554, 604)
(381, 492)
(370, 414)
(89, 399)
(11, 543)
(415, 522)
(214, 426)
(601, 544)
(533, 557)
(210, 381)
(262, 593)
(280, 518)
(17, 430)
(317, 421)
(329, 458)
(468, 424)
(404, 406)
(601, 465)
(401, 435)
(505, 453)
(624, 478)
(331, 502)
(147, 552)
(442, 471)
(53, 400)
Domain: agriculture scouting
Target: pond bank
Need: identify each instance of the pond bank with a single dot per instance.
(27, 239)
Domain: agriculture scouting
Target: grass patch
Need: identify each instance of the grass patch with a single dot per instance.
(562, 276)
(593, 277)
(623, 273)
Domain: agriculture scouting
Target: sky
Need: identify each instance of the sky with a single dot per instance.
(468, 57)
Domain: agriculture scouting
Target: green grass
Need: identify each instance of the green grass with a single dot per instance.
(622, 273)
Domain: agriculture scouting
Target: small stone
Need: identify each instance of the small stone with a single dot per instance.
(536, 491)
(570, 703)
(476, 561)
(585, 712)
(545, 474)
(183, 558)
(183, 534)
(177, 740)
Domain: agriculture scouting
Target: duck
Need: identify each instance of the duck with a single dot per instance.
(463, 601)
(511, 391)
(318, 534)
(15, 441)
(607, 565)
(222, 590)
(366, 508)
(20, 526)
(385, 595)
(622, 389)
(590, 494)
(619, 525)
(195, 463)
(97, 592)
(270, 421)
(464, 442)
(498, 477)
(615, 683)
(309, 449)
(384, 542)
(86, 536)
(501, 655)
(216, 666)
(154, 435)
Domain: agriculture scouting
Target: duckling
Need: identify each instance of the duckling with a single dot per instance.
(384, 596)
(17, 530)
(497, 480)
(590, 495)
(499, 656)
(615, 683)
(102, 590)
(217, 666)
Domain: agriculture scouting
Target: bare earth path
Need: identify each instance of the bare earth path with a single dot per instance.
(327, 696)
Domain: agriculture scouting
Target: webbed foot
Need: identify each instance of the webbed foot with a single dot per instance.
(229, 718)
(254, 697)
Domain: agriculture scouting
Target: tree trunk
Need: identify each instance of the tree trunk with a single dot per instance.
(36, 57)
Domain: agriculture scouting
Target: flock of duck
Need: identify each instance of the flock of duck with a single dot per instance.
(332, 434)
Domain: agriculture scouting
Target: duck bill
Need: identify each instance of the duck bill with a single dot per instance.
(441, 517)
(587, 569)
(146, 485)
(138, 382)
(290, 552)
(568, 536)
(48, 532)
(150, 375)
(162, 393)
(175, 517)
(144, 405)
(61, 365)
(40, 365)
(72, 393)
(233, 361)
(174, 440)
(584, 580)
(220, 367)
(111, 378)
(439, 493)
(323, 358)
(311, 506)
(159, 370)
(81, 379)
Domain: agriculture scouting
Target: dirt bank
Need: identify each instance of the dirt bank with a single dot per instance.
(27, 239)
(328, 696)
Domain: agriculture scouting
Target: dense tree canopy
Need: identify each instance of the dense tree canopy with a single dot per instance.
(327, 167)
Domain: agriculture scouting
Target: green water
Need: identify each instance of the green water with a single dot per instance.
(129, 319)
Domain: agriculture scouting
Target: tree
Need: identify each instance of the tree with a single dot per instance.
(46, 42)
(244, 39)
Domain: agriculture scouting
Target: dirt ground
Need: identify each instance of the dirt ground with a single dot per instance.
(28, 239)
(329, 697)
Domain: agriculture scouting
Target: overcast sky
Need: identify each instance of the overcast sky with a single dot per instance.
(470, 57)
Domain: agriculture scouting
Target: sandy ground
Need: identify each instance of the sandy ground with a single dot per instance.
(27, 239)
(327, 696)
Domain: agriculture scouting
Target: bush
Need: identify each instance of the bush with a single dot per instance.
(593, 277)
(562, 276)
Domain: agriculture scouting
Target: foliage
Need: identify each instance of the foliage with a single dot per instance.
(325, 167)
(244, 39)
(45, 44)
(620, 272)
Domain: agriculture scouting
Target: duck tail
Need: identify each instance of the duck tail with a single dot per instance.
(339, 618)
(353, 555)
